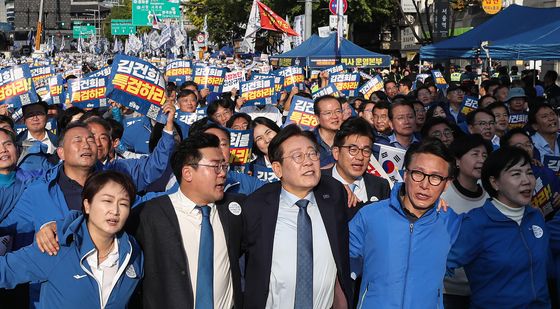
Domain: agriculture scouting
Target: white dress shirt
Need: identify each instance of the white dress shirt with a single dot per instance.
(46, 140)
(282, 287)
(360, 184)
(268, 111)
(105, 273)
(190, 221)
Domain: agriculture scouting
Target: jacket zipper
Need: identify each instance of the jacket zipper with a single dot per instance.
(411, 226)
(364, 296)
(91, 275)
(530, 263)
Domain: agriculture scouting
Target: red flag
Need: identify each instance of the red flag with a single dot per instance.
(271, 21)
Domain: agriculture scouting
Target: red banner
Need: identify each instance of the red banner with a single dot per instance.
(271, 21)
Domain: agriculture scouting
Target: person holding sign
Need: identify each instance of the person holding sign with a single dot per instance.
(186, 101)
(329, 115)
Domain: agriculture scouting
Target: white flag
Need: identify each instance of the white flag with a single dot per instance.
(253, 25)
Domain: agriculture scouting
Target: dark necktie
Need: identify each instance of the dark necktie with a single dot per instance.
(304, 274)
(205, 276)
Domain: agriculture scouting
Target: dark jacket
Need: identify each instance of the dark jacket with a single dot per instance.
(167, 281)
(260, 215)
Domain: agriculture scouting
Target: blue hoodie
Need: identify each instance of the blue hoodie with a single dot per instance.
(67, 278)
(402, 262)
(506, 263)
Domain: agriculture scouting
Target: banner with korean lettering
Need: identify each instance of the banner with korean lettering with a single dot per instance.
(545, 189)
(241, 143)
(337, 69)
(190, 118)
(40, 74)
(293, 77)
(441, 84)
(56, 92)
(330, 89)
(371, 86)
(16, 86)
(301, 113)
(138, 85)
(179, 71)
(346, 83)
(232, 80)
(88, 92)
(103, 72)
(391, 160)
(208, 77)
(374, 168)
(553, 163)
(278, 83)
(257, 91)
(469, 104)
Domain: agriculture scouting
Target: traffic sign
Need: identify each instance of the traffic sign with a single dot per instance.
(122, 27)
(82, 31)
(332, 6)
(143, 11)
(200, 38)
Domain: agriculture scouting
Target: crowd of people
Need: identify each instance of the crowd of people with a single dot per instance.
(115, 210)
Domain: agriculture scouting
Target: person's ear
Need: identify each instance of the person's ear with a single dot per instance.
(336, 152)
(187, 173)
(277, 169)
(87, 206)
(60, 152)
(494, 183)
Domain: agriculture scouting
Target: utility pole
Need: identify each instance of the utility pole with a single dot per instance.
(39, 27)
(308, 17)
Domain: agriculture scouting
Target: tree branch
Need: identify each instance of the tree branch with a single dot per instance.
(408, 24)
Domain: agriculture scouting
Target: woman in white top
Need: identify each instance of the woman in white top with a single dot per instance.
(462, 195)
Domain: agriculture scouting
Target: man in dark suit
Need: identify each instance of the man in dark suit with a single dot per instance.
(288, 263)
(192, 238)
(352, 152)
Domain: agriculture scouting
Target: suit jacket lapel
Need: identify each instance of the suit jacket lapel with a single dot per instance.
(224, 219)
(268, 228)
(326, 210)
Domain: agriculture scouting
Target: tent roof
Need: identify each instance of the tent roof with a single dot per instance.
(514, 25)
(321, 52)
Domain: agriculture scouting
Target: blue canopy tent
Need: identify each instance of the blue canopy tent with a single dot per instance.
(297, 56)
(325, 54)
(515, 29)
(226, 50)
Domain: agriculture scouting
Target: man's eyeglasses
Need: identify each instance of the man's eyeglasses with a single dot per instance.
(439, 134)
(433, 179)
(222, 167)
(353, 150)
(299, 156)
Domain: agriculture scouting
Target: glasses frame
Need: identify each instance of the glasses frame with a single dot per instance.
(356, 149)
(438, 179)
(299, 156)
(222, 167)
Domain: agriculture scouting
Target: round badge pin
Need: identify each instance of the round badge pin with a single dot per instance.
(130, 272)
(538, 231)
(234, 208)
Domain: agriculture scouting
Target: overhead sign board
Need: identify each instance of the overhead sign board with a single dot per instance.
(144, 11)
(122, 27)
(82, 31)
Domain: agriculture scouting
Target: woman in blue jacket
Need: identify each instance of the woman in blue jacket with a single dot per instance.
(503, 245)
(97, 265)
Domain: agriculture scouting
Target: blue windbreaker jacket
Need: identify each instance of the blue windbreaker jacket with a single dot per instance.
(67, 280)
(402, 263)
(506, 263)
